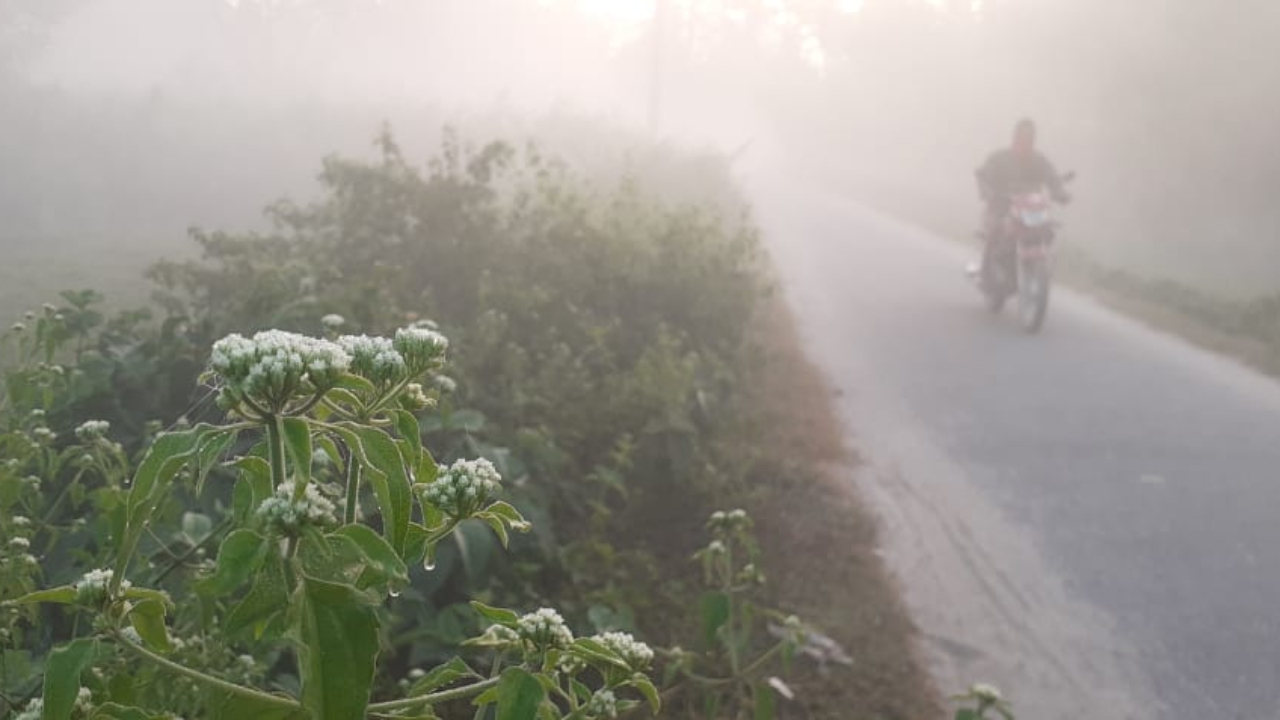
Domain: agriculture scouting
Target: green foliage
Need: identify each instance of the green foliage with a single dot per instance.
(601, 346)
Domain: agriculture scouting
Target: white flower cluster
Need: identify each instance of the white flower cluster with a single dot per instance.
(287, 515)
(275, 366)
(19, 543)
(33, 711)
(544, 629)
(91, 430)
(422, 347)
(44, 435)
(92, 588)
(636, 654)
(731, 521)
(375, 359)
(333, 321)
(463, 487)
(603, 704)
(21, 521)
(414, 397)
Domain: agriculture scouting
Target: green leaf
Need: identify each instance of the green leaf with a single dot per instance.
(648, 690)
(222, 705)
(166, 456)
(967, 714)
(62, 677)
(268, 597)
(147, 618)
(519, 695)
(765, 701)
(331, 449)
(379, 455)
(240, 555)
(115, 711)
(427, 470)
(442, 675)
(508, 513)
(377, 554)
(336, 631)
(594, 650)
(351, 381)
(407, 427)
(210, 447)
(715, 613)
(297, 440)
(495, 522)
(62, 595)
(500, 616)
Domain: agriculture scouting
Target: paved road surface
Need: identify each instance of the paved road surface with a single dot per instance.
(1089, 518)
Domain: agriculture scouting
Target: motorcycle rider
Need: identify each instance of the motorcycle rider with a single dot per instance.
(1017, 168)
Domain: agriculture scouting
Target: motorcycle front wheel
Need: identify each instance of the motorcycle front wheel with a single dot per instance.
(1033, 295)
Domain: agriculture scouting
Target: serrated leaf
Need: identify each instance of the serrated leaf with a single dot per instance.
(147, 618)
(442, 675)
(495, 522)
(330, 449)
(241, 554)
(649, 691)
(597, 653)
(297, 441)
(508, 513)
(378, 556)
(410, 436)
(519, 695)
(500, 616)
(62, 595)
(210, 447)
(336, 632)
(62, 677)
(386, 474)
(267, 598)
(715, 613)
(162, 461)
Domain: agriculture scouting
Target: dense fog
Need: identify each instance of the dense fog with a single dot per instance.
(128, 120)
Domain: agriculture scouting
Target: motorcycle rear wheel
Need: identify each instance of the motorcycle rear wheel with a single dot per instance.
(1033, 296)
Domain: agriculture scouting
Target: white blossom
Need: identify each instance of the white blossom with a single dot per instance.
(282, 512)
(276, 366)
(92, 588)
(375, 358)
(33, 711)
(463, 487)
(421, 347)
(636, 654)
(544, 629)
(333, 321)
(90, 430)
(19, 543)
(602, 704)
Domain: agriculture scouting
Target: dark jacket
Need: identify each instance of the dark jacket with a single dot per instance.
(1007, 172)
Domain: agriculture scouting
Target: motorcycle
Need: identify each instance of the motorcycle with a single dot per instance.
(1019, 263)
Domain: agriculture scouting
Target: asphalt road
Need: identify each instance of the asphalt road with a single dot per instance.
(1089, 518)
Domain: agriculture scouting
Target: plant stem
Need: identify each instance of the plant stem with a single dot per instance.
(436, 697)
(275, 448)
(353, 489)
(230, 687)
